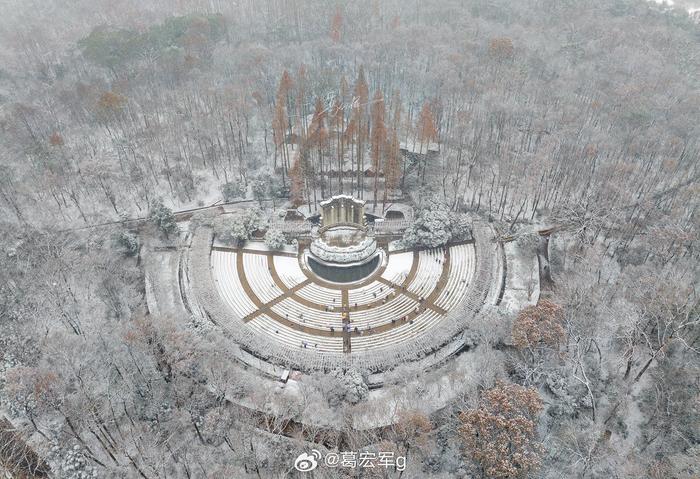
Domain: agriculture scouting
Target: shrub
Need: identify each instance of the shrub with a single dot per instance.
(431, 227)
(239, 228)
(162, 217)
(435, 225)
(232, 190)
(274, 239)
(129, 242)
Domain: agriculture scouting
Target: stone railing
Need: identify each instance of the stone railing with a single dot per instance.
(292, 227)
(344, 254)
(391, 226)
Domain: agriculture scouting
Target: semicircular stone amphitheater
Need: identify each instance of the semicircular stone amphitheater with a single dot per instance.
(275, 307)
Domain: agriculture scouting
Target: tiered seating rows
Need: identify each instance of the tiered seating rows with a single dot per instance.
(395, 308)
(290, 337)
(394, 347)
(230, 288)
(320, 295)
(394, 336)
(259, 277)
(289, 271)
(369, 293)
(462, 266)
(430, 264)
(260, 280)
(398, 267)
(290, 309)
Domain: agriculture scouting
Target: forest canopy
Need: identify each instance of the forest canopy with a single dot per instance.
(567, 131)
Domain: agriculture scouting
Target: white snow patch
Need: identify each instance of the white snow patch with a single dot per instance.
(261, 246)
(522, 279)
(398, 267)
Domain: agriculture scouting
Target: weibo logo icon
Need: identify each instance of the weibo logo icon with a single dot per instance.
(307, 462)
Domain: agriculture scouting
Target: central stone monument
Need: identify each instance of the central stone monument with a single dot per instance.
(343, 249)
(342, 209)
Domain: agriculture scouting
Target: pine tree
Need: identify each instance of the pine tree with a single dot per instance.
(162, 217)
(336, 26)
(359, 112)
(301, 126)
(281, 122)
(378, 138)
(318, 135)
(278, 131)
(344, 135)
(427, 133)
(392, 166)
(296, 189)
(337, 121)
(284, 91)
(349, 134)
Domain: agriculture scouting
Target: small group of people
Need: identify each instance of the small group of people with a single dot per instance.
(404, 319)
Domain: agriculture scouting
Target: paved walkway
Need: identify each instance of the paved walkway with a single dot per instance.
(345, 300)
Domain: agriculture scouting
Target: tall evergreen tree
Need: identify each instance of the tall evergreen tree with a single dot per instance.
(427, 133)
(378, 138)
(360, 101)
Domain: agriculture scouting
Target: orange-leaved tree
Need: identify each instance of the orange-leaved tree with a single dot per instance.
(501, 49)
(539, 325)
(359, 122)
(377, 137)
(296, 189)
(500, 433)
(427, 134)
(336, 26)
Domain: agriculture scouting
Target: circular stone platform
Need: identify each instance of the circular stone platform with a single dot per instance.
(343, 245)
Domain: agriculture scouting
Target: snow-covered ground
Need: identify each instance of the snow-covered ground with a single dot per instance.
(399, 266)
(261, 246)
(522, 279)
(691, 6)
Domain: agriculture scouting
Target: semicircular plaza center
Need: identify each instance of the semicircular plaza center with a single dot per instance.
(347, 292)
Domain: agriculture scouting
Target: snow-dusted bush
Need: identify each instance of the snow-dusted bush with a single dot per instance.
(267, 184)
(231, 229)
(461, 226)
(72, 462)
(435, 225)
(348, 387)
(162, 217)
(430, 228)
(128, 242)
(203, 218)
(274, 238)
(254, 219)
(238, 228)
(233, 190)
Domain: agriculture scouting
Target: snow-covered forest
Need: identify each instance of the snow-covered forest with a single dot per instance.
(571, 127)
